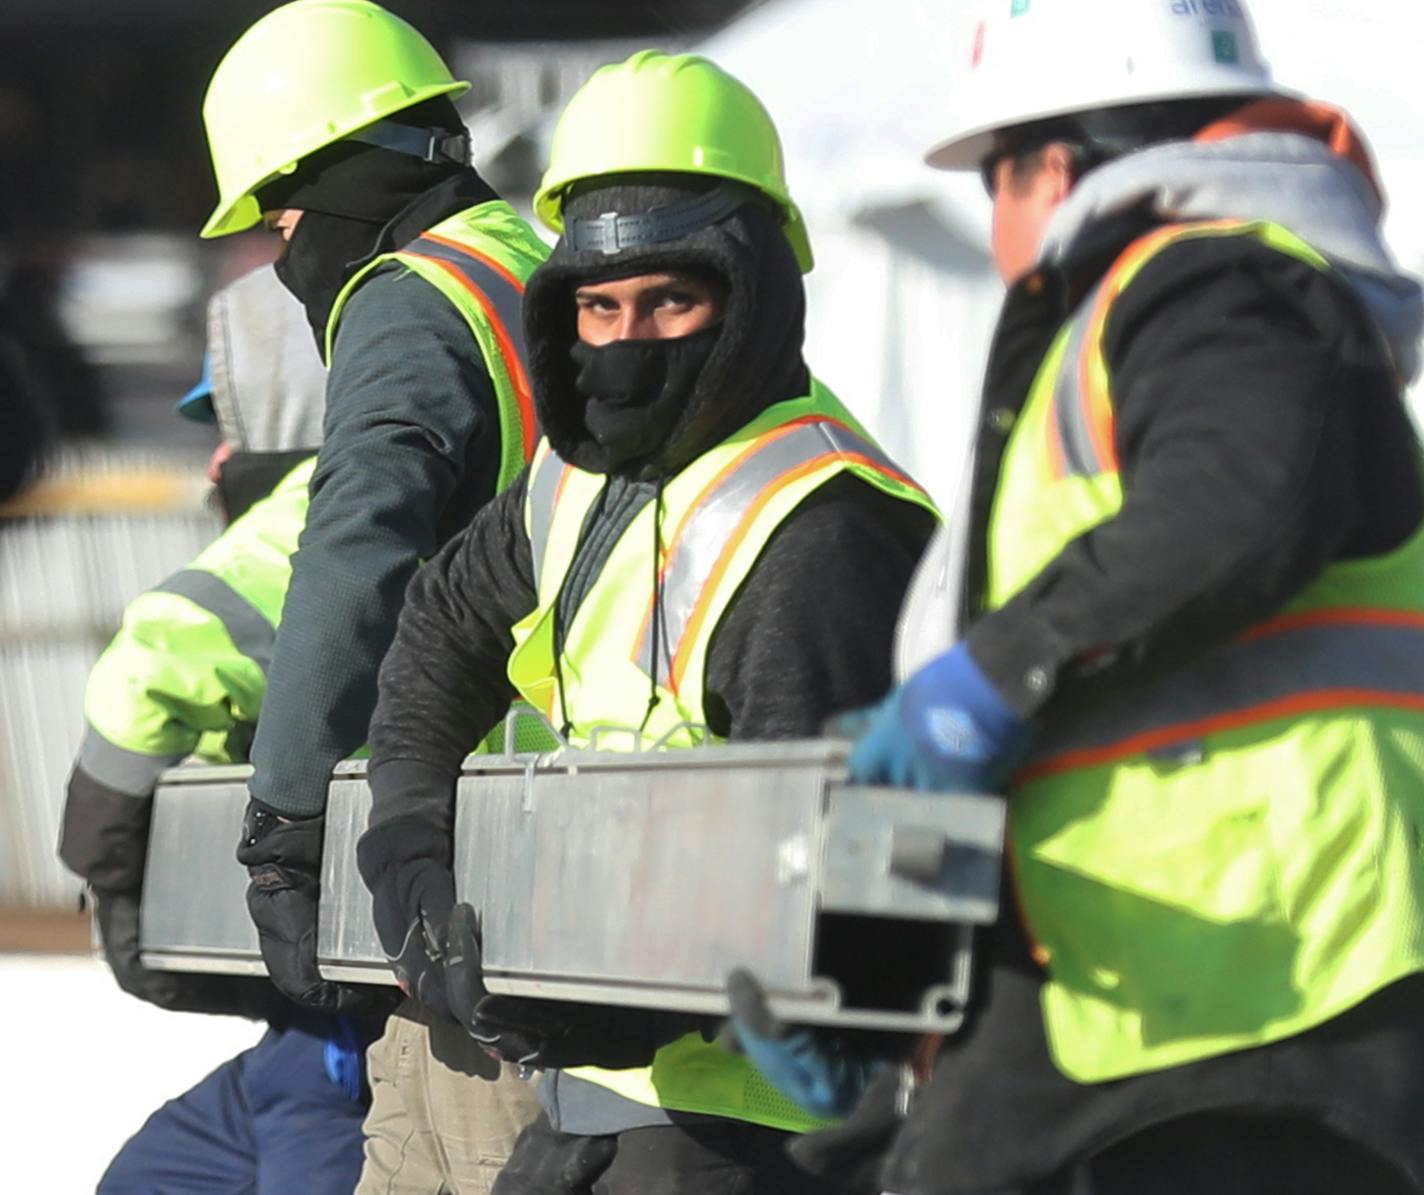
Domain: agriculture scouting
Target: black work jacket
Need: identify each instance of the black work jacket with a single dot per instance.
(1261, 435)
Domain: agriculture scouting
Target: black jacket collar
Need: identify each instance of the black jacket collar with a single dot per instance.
(455, 194)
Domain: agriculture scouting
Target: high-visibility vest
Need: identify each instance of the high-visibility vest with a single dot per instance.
(479, 259)
(187, 671)
(1228, 854)
(717, 516)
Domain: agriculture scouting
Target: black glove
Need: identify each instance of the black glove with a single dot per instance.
(851, 1155)
(229, 995)
(557, 1034)
(406, 865)
(551, 1034)
(464, 974)
(283, 859)
(104, 833)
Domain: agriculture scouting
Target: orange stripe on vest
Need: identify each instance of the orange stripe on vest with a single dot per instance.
(518, 377)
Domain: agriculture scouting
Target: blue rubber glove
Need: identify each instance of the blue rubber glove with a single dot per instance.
(344, 1056)
(946, 729)
(813, 1068)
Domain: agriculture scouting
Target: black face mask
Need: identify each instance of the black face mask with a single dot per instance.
(635, 390)
(321, 257)
(247, 477)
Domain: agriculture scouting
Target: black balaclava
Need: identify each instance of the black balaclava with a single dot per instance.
(635, 391)
(646, 409)
(351, 193)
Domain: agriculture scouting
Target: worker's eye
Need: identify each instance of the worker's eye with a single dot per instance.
(678, 300)
(600, 304)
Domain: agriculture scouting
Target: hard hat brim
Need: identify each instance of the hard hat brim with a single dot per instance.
(967, 150)
(795, 228)
(237, 216)
(197, 404)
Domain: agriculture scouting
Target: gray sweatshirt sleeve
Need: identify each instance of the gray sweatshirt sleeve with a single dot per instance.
(443, 684)
(411, 418)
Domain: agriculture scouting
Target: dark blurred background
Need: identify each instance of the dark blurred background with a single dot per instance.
(99, 103)
(104, 184)
(104, 178)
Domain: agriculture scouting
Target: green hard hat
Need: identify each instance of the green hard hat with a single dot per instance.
(668, 113)
(305, 75)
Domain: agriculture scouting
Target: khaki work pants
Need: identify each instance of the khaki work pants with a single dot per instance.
(444, 1115)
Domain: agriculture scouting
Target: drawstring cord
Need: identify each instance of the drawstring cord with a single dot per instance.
(659, 622)
(659, 628)
(565, 726)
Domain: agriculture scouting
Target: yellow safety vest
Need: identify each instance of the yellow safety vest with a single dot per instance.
(1228, 854)
(187, 670)
(718, 515)
(479, 259)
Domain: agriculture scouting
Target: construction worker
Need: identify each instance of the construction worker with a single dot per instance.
(331, 121)
(688, 548)
(1193, 584)
(184, 675)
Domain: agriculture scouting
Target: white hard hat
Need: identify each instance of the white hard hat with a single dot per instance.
(1025, 60)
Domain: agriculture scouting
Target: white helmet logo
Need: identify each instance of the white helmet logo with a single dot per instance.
(1032, 59)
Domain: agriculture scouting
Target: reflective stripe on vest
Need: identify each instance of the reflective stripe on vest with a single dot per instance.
(478, 260)
(712, 529)
(546, 481)
(715, 525)
(1082, 429)
(1297, 664)
(1225, 854)
(501, 295)
(129, 772)
(245, 624)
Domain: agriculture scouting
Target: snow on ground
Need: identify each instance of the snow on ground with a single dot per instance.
(84, 1065)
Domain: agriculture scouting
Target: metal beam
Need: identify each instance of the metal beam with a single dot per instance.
(638, 879)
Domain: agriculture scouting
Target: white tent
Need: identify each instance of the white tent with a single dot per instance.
(903, 298)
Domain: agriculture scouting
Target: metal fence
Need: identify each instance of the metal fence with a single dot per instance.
(100, 527)
(518, 89)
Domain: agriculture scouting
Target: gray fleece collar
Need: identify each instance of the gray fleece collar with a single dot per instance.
(1288, 178)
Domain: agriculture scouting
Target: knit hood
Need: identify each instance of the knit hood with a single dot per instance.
(1299, 165)
(754, 362)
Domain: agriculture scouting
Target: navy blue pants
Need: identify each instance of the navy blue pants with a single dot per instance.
(269, 1122)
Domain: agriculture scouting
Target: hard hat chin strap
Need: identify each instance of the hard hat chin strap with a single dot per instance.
(429, 145)
(611, 233)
